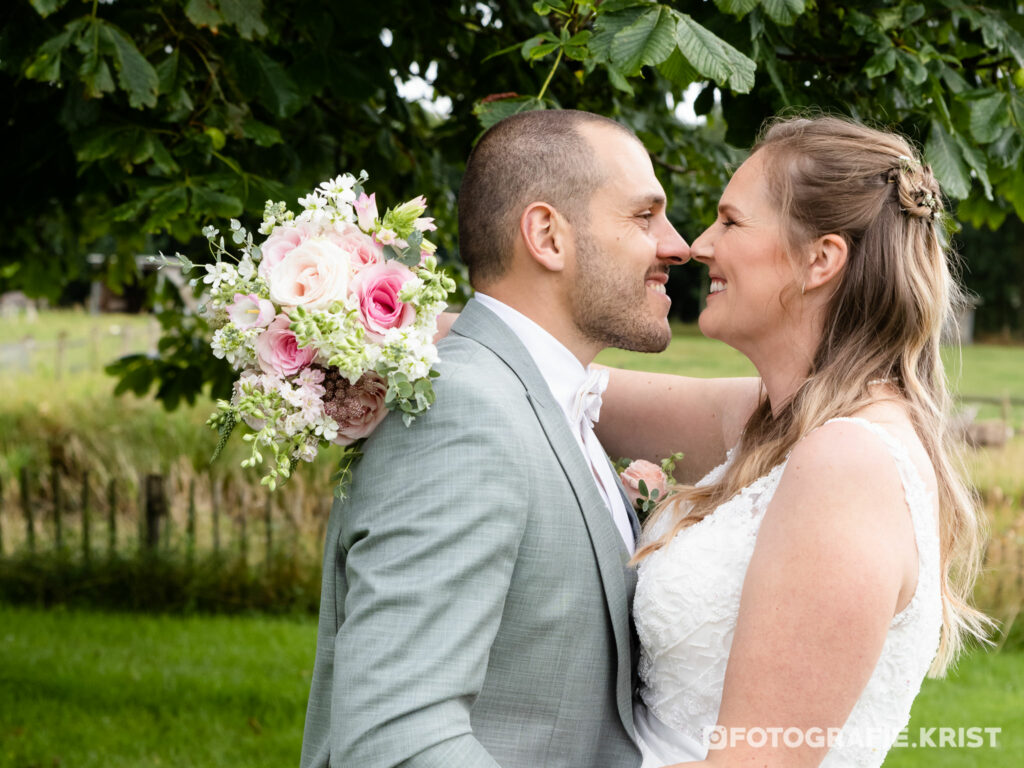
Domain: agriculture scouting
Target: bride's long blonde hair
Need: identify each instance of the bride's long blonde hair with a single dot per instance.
(884, 321)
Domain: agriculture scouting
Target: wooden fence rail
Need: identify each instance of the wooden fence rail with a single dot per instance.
(152, 511)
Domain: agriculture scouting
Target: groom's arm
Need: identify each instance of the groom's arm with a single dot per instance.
(432, 532)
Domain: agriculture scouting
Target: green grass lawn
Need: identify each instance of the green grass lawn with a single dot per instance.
(978, 370)
(109, 690)
(88, 690)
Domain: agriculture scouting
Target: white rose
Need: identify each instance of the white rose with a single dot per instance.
(314, 274)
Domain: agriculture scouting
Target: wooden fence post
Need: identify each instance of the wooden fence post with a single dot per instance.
(243, 526)
(268, 520)
(155, 508)
(190, 526)
(111, 517)
(58, 362)
(217, 488)
(58, 506)
(26, 506)
(86, 522)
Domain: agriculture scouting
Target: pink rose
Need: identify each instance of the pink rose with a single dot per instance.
(362, 251)
(651, 474)
(358, 408)
(280, 243)
(278, 351)
(377, 289)
(313, 274)
(250, 311)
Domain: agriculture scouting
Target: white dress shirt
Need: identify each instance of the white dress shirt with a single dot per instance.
(564, 374)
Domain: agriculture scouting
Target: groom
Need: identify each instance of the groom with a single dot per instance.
(475, 607)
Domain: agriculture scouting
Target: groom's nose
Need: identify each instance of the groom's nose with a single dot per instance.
(671, 245)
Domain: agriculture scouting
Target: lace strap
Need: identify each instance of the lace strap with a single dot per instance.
(916, 492)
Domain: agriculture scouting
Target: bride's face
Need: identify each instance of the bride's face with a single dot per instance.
(754, 287)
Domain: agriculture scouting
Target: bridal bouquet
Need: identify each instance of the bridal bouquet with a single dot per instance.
(329, 320)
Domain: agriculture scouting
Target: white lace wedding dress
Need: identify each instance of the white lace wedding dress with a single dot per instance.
(686, 606)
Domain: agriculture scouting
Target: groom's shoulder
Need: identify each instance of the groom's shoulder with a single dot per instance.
(469, 369)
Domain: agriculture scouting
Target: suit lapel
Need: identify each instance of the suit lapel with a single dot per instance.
(618, 580)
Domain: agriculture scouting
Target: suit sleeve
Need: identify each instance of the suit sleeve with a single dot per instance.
(430, 535)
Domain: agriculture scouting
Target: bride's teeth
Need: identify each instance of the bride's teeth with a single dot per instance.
(717, 285)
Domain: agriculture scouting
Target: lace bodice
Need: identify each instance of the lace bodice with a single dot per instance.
(688, 599)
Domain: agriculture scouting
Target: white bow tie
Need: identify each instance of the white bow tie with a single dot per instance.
(586, 405)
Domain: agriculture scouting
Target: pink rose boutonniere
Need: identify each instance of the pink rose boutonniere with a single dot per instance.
(646, 483)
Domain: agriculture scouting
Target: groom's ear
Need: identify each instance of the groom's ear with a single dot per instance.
(546, 235)
(826, 260)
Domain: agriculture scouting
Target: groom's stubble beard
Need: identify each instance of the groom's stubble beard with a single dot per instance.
(610, 306)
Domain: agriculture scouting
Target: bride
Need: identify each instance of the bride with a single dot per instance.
(790, 603)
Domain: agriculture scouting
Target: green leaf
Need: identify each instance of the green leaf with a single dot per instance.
(143, 146)
(678, 70)
(738, 8)
(246, 16)
(100, 142)
(162, 159)
(167, 72)
(989, 116)
(713, 57)
(45, 7)
(165, 207)
(95, 75)
(45, 64)
(619, 81)
(646, 42)
(943, 155)
(913, 13)
(542, 50)
(491, 112)
(783, 12)
(608, 25)
(882, 63)
(913, 69)
(277, 89)
(976, 160)
(136, 75)
(535, 42)
(203, 13)
(953, 80)
(264, 135)
(211, 203)
(1017, 111)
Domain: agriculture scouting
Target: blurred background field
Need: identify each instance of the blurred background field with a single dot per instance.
(87, 684)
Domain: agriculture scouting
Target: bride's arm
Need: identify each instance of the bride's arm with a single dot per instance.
(835, 559)
(652, 415)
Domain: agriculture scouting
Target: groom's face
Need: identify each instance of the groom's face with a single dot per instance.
(624, 250)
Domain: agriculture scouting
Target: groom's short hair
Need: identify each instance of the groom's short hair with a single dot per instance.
(528, 157)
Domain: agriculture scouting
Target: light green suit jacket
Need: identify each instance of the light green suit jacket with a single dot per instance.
(476, 594)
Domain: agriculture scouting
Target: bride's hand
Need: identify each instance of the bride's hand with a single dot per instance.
(444, 324)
